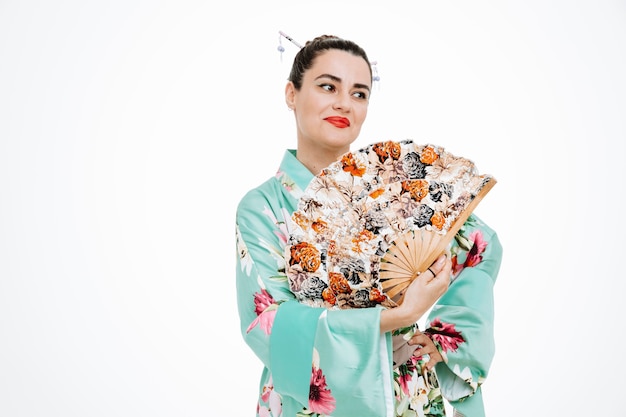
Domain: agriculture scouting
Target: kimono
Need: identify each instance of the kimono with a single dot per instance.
(323, 362)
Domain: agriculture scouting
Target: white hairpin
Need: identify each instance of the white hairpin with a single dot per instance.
(289, 38)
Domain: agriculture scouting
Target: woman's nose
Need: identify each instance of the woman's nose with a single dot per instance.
(342, 101)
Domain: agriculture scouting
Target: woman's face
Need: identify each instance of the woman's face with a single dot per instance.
(331, 106)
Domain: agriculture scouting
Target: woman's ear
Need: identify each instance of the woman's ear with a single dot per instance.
(290, 95)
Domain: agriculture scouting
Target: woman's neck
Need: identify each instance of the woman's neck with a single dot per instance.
(317, 159)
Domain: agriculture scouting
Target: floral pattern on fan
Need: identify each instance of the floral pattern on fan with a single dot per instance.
(372, 221)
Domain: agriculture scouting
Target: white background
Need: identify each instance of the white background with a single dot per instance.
(129, 130)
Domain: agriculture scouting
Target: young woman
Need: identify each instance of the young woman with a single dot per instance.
(320, 362)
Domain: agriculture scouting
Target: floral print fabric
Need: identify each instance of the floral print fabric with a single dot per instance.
(354, 210)
(346, 359)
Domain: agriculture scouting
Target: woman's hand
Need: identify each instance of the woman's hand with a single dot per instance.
(426, 289)
(425, 346)
(419, 296)
(418, 345)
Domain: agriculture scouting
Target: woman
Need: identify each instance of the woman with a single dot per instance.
(331, 362)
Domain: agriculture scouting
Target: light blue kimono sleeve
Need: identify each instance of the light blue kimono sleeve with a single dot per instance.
(352, 357)
(467, 311)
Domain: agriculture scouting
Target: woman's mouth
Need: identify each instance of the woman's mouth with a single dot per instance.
(340, 122)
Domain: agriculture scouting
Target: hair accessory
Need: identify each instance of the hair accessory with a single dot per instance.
(281, 49)
(375, 77)
(289, 38)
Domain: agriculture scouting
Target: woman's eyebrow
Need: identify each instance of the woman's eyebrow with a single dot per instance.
(363, 86)
(332, 77)
(338, 80)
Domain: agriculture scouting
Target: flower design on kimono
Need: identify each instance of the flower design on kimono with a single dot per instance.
(404, 374)
(270, 397)
(474, 255)
(419, 394)
(416, 398)
(265, 307)
(283, 226)
(445, 335)
(466, 375)
(286, 182)
(321, 399)
(244, 255)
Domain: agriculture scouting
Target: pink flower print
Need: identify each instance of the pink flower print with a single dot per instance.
(262, 301)
(404, 377)
(456, 268)
(265, 308)
(276, 405)
(266, 390)
(263, 411)
(271, 397)
(474, 256)
(404, 373)
(320, 397)
(445, 335)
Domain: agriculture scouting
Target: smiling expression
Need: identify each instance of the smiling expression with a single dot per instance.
(331, 105)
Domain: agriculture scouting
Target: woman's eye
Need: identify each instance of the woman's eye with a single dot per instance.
(328, 87)
(360, 94)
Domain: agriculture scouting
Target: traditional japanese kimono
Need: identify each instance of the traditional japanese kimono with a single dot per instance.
(324, 362)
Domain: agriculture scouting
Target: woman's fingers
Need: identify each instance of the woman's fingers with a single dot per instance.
(439, 265)
(425, 346)
(425, 290)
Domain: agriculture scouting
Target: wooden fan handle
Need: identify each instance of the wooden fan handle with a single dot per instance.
(441, 246)
(393, 292)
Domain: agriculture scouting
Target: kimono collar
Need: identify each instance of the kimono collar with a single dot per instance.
(294, 176)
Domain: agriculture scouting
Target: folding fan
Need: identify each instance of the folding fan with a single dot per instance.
(370, 223)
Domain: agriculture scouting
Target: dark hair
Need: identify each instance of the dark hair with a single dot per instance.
(314, 48)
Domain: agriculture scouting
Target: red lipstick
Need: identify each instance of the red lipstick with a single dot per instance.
(340, 122)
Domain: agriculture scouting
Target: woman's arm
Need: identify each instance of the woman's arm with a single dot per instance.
(338, 353)
(462, 320)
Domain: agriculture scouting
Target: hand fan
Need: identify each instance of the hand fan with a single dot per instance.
(370, 223)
